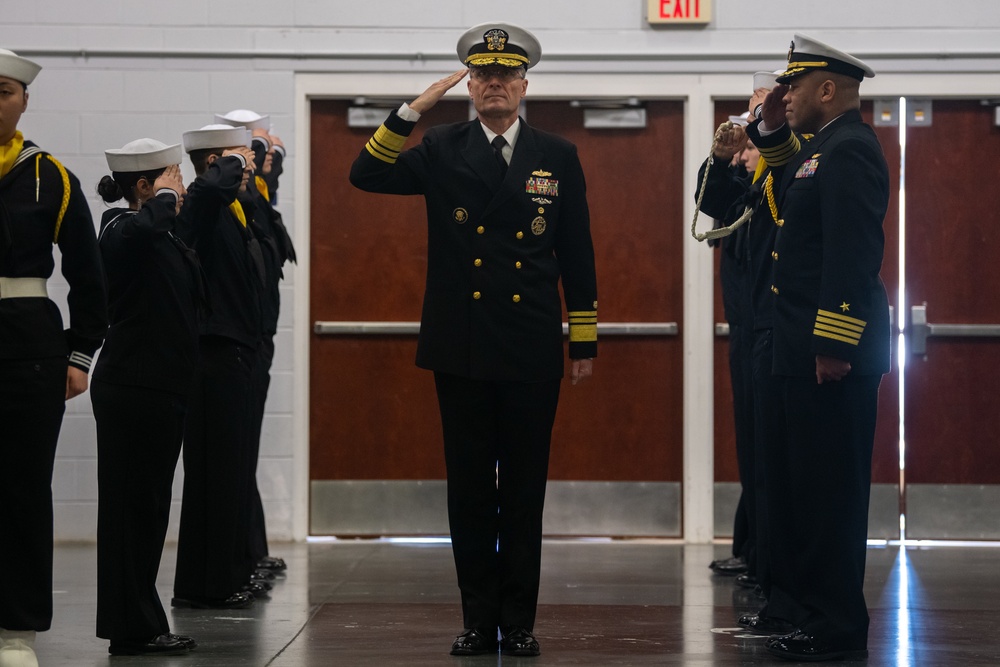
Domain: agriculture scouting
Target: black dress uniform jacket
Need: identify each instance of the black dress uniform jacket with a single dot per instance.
(31, 197)
(155, 290)
(496, 250)
(829, 299)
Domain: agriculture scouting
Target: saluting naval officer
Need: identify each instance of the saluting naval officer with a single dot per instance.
(142, 382)
(42, 365)
(830, 349)
(507, 218)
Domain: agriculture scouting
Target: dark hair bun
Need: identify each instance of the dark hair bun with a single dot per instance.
(109, 190)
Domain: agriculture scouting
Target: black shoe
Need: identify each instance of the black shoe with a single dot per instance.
(184, 639)
(765, 625)
(478, 641)
(271, 563)
(261, 574)
(729, 566)
(746, 581)
(158, 645)
(258, 589)
(263, 583)
(519, 642)
(801, 646)
(234, 601)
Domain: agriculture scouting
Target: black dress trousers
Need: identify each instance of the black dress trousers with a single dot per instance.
(818, 512)
(496, 446)
(32, 403)
(213, 561)
(262, 381)
(139, 432)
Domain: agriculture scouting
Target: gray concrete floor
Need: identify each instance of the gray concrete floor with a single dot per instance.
(361, 603)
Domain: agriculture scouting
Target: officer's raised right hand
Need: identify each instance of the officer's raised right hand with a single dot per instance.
(430, 97)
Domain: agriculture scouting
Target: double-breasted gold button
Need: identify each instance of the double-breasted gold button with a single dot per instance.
(517, 298)
(478, 262)
(480, 229)
(520, 235)
(517, 265)
(476, 295)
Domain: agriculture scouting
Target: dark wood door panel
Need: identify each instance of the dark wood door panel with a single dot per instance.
(953, 394)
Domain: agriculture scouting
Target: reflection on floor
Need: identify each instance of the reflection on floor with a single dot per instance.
(359, 603)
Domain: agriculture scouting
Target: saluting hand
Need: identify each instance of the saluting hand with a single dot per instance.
(773, 111)
(171, 179)
(245, 152)
(432, 95)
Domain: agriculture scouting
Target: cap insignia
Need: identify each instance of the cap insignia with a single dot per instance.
(496, 39)
(791, 48)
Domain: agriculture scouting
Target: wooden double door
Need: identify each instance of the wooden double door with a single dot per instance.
(376, 459)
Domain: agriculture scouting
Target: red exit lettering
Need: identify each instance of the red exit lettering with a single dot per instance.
(680, 9)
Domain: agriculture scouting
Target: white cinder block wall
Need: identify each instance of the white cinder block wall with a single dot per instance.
(118, 70)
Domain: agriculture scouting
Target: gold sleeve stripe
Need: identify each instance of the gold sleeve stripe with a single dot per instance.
(840, 331)
(840, 317)
(385, 144)
(582, 326)
(779, 155)
(582, 333)
(827, 334)
(838, 324)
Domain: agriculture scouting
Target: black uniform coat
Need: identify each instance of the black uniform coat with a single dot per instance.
(496, 252)
(828, 252)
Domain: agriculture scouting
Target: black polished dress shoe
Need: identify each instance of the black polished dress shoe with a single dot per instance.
(159, 645)
(477, 641)
(184, 639)
(261, 574)
(764, 625)
(235, 601)
(271, 563)
(729, 566)
(259, 589)
(519, 642)
(807, 648)
(746, 580)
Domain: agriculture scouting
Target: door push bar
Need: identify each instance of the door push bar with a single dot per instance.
(921, 330)
(411, 328)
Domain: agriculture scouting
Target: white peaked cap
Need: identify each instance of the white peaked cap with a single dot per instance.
(806, 54)
(15, 67)
(143, 155)
(216, 136)
(499, 44)
(248, 119)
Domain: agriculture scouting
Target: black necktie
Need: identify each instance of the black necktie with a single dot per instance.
(498, 143)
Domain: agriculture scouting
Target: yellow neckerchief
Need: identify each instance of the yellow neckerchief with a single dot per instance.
(262, 187)
(9, 152)
(236, 208)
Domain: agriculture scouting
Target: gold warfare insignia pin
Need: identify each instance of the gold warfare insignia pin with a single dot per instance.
(541, 200)
(538, 226)
(541, 174)
(460, 215)
(496, 39)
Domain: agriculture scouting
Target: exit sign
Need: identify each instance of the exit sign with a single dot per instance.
(679, 11)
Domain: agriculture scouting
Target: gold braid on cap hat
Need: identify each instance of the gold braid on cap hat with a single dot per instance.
(799, 67)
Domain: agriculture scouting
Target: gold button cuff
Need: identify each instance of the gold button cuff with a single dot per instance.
(520, 235)
(478, 262)
(517, 298)
(480, 229)
(476, 295)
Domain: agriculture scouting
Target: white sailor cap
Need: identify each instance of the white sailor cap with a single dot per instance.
(740, 120)
(15, 67)
(766, 79)
(806, 54)
(216, 136)
(248, 119)
(143, 155)
(499, 44)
